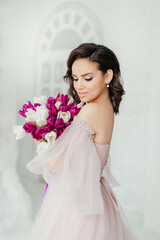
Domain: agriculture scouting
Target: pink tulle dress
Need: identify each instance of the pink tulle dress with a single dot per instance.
(79, 203)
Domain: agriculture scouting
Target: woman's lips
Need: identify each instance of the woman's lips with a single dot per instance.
(82, 94)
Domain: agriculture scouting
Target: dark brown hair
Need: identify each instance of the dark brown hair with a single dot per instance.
(106, 59)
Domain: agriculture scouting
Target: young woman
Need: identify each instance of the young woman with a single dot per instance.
(80, 203)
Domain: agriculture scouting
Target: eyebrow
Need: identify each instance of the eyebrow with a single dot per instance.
(83, 74)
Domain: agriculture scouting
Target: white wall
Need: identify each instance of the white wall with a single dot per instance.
(152, 196)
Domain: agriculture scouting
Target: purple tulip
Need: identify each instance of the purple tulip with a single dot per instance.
(25, 108)
(62, 98)
(71, 105)
(56, 130)
(58, 96)
(29, 126)
(37, 133)
(45, 130)
(62, 108)
(51, 121)
(74, 111)
(35, 106)
(59, 130)
(59, 123)
(50, 102)
(53, 111)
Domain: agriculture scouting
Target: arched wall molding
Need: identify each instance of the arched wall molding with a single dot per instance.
(67, 26)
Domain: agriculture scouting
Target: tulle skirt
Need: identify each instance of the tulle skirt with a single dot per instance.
(57, 221)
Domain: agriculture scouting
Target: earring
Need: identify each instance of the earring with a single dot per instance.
(107, 85)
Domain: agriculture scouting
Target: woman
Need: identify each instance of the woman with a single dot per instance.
(80, 203)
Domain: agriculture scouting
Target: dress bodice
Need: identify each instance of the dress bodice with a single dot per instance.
(103, 152)
(102, 149)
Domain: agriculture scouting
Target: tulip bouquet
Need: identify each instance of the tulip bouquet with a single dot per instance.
(46, 119)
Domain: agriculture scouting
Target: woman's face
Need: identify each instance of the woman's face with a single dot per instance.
(89, 80)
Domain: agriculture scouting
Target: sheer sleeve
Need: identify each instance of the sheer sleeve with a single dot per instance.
(72, 168)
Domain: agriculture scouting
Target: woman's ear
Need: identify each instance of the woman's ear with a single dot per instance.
(108, 76)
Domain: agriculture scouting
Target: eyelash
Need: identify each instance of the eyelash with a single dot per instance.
(87, 79)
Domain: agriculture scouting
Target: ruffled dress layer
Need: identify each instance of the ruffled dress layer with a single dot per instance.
(79, 203)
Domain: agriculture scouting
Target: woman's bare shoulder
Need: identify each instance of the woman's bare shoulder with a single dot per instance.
(100, 118)
(88, 109)
(91, 114)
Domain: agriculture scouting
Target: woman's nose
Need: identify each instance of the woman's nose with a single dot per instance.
(80, 84)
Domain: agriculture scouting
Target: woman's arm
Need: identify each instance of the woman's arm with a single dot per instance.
(57, 165)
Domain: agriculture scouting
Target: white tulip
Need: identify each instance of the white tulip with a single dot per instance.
(19, 131)
(57, 104)
(42, 100)
(41, 115)
(31, 115)
(51, 137)
(64, 115)
(41, 121)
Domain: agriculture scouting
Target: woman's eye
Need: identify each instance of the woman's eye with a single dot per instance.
(88, 79)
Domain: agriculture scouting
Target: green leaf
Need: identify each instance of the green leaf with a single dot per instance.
(34, 155)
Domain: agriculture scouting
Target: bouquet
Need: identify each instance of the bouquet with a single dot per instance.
(46, 120)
